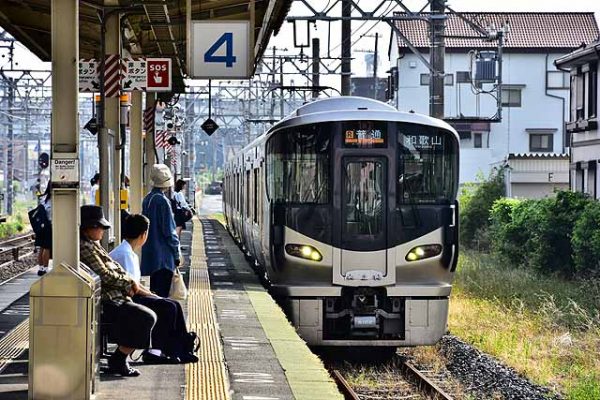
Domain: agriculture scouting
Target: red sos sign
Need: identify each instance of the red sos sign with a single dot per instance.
(158, 74)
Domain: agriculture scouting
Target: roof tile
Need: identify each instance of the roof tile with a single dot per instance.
(526, 30)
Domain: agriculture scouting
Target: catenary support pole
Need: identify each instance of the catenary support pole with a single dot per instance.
(346, 46)
(436, 84)
(112, 112)
(10, 149)
(149, 142)
(136, 153)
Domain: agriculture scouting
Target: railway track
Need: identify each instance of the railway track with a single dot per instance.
(15, 248)
(424, 382)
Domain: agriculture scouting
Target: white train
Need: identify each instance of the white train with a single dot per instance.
(348, 207)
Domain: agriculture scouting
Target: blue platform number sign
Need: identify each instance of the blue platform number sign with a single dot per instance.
(229, 59)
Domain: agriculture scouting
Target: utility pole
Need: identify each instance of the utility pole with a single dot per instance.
(316, 64)
(346, 46)
(436, 82)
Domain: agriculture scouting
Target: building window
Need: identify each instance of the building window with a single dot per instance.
(579, 96)
(511, 97)
(557, 80)
(464, 135)
(448, 80)
(463, 77)
(541, 142)
(477, 140)
(593, 92)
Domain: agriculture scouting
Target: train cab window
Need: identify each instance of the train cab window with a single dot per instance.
(427, 165)
(364, 203)
(298, 166)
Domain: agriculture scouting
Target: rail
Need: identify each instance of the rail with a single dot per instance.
(423, 382)
(417, 378)
(345, 388)
(13, 247)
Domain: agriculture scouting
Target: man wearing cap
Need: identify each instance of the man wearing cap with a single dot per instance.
(132, 322)
(160, 254)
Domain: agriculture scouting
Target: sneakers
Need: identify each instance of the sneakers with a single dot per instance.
(42, 270)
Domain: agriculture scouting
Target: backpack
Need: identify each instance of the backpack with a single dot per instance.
(182, 215)
(38, 219)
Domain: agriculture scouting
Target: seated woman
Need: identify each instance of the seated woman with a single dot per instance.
(133, 322)
(170, 333)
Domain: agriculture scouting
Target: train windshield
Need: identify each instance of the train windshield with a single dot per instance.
(298, 164)
(427, 165)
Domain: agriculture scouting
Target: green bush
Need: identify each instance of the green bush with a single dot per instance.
(512, 229)
(537, 233)
(476, 201)
(586, 240)
(553, 251)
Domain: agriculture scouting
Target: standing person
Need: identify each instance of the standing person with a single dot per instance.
(170, 336)
(44, 239)
(132, 322)
(181, 209)
(95, 182)
(160, 254)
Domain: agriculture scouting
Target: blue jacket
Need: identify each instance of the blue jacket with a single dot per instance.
(162, 248)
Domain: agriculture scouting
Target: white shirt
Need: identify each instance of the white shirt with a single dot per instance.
(93, 194)
(179, 197)
(126, 257)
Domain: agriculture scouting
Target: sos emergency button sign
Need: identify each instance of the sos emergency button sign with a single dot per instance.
(159, 75)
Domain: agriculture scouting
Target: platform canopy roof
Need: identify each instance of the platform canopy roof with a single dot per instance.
(150, 28)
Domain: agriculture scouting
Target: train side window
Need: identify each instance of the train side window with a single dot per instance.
(427, 165)
(256, 195)
(247, 205)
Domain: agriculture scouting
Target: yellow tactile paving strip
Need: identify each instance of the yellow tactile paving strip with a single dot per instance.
(14, 343)
(305, 372)
(206, 380)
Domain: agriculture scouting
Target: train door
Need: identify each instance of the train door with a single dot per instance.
(364, 218)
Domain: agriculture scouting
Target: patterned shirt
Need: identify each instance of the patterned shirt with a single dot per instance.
(116, 284)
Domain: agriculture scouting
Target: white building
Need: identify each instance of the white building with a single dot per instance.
(535, 95)
(583, 117)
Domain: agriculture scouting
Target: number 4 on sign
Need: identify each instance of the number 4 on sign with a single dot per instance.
(228, 58)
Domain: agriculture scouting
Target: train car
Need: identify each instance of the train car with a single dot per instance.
(348, 208)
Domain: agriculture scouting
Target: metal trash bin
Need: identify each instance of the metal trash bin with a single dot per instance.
(64, 334)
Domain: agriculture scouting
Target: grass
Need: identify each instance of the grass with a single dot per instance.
(544, 327)
(19, 221)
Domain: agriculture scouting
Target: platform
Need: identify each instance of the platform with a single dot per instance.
(249, 350)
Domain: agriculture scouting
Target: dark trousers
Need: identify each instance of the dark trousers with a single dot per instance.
(131, 323)
(170, 325)
(160, 282)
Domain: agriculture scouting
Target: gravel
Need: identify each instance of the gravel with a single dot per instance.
(10, 270)
(486, 376)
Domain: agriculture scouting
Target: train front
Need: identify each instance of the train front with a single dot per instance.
(364, 223)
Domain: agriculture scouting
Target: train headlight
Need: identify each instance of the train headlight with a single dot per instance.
(422, 252)
(303, 251)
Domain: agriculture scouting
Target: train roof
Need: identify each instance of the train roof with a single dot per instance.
(347, 108)
(351, 108)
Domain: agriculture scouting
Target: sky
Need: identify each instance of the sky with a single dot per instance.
(27, 60)
(361, 44)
